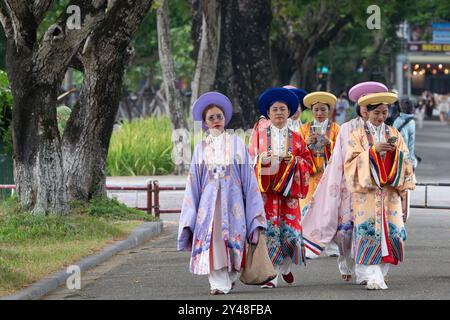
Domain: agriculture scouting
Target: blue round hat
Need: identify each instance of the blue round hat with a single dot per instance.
(270, 96)
(300, 93)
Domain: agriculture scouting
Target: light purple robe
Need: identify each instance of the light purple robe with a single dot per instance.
(241, 204)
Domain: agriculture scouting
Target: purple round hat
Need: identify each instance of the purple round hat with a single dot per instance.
(365, 88)
(210, 98)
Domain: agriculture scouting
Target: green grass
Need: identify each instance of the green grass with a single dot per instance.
(141, 147)
(33, 246)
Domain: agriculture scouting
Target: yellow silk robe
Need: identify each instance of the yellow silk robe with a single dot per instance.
(376, 202)
(320, 156)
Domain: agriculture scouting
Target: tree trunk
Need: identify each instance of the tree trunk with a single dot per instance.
(37, 155)
(173, 95)
(244, 68)
(36, 70)
(208, 52)
(88, 132)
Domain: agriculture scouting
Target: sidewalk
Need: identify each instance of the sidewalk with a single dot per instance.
(156, 270)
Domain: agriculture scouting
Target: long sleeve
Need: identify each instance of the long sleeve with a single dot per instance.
(254, 206)
(191, 202)
(357, 165)
(364, 169)
(304, 168)
(254, 143)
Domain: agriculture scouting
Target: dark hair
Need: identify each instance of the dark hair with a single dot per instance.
(406, 106)
(209, 108)
(372, 107)
(312, 106)
(358, 110)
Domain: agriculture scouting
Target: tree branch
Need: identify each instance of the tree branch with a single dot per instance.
(23, 23)
(60, 43)
(40, 7)
(5, 20)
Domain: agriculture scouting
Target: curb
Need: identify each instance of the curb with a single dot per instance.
(43, 287)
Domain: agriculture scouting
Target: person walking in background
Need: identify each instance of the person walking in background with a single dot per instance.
(394, 111)
(342, 106)
(420, 112)
(443, 108)
(448, 102)
(406, 125)
(283, 166)
(295, 122)
(429, 104)
(222, 207)
(320, 137)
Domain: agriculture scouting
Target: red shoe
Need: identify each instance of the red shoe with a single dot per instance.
(288, 278)
(268, 285)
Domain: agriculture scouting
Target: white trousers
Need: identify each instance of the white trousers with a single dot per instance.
(331, 249)
(222, 279)
(346, 264)
(372, 274)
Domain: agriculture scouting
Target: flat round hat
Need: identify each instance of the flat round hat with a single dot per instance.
(320, 96)
(378, 98)
(300, 93)
(270, 96)
(207, 99)
(365, 88)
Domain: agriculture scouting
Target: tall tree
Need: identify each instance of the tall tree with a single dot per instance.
(36, 68)
(303, 30)
(103, 59)
(208, 51)
(173, 95)
(244, 65)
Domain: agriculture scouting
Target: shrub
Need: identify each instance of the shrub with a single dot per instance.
(141, 147)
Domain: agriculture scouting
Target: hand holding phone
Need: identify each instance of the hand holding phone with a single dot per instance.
(392, 141)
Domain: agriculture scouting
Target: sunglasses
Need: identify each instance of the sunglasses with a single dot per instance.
(212, 118)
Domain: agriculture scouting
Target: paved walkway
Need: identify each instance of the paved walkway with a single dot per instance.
(157, 271)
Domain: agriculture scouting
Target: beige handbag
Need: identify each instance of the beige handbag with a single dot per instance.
(258, 267)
